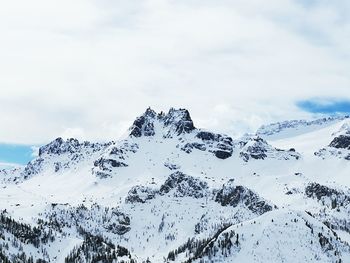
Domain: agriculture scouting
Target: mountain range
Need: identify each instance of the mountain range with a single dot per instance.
(171, 192)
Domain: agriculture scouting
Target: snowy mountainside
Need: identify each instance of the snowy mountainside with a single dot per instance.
(170, 192)
(285, 129)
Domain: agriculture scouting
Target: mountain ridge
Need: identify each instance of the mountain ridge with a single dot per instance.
(170, 192)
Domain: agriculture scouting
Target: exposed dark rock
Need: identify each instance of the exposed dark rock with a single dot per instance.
(143, 125)
(108, 218)
(220, 145)
(327, 152)
(59, 146)
(72, 148)
(341, 142)
(122, 218)
(207, 136)
(214, 137)
(184, 185)
(319, 191)
(33, 167)
(329, 196)
(123, 149)
(172, 166)
(256, 149)
(58, 166)
(231, 195)
(118, 229)
(180, 119)
(223, 154)
(324, 242)
(101, 175)
(116, 151)
(188, 147)
(140, 194)
(105, 164)
(224, 151)
(122, 225)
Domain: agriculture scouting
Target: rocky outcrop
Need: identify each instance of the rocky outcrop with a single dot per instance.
(175, 123)
(339, 147)
(60, 155)
(188, 147)
(104, 167)
(172, 166)
(143, 125)
(140, 194)
(258, 149)
(179, 120)
(59, 146)
(94, 219)
(70, 146)
(255, 148)
(234, 195)
(319, 191)
(334, 205)
(223, 151)
(220, 145)
(183, 185)
(341, 142)
(177, 184)
(328, 196)
(108, 164)
(32, 168)
(114, 158)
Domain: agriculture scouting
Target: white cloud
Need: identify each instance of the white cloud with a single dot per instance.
(35, 151)
(87, 68)
(6, 165)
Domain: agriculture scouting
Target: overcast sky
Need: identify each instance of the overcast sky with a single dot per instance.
(87, 68)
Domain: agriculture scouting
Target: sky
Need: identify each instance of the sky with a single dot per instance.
(87, 68)
(11, 155)
(325, 106)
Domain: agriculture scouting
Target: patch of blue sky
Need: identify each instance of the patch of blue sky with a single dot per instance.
(325, 106)
(15, 154)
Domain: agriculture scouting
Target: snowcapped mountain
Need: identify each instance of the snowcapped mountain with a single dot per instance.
(170, 192)
(286, 129)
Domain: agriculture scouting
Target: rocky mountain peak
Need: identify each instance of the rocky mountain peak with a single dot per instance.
(177, 121)
(59, 146)
(180, 119)
(144, 124)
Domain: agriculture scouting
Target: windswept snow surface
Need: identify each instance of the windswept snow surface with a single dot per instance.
(169, 192)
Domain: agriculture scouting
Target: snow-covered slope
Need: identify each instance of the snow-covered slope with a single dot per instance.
(286, 129)
(172, 192)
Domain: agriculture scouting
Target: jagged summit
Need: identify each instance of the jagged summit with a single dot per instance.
(59, 145)
(70, 145)
(176, 121)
